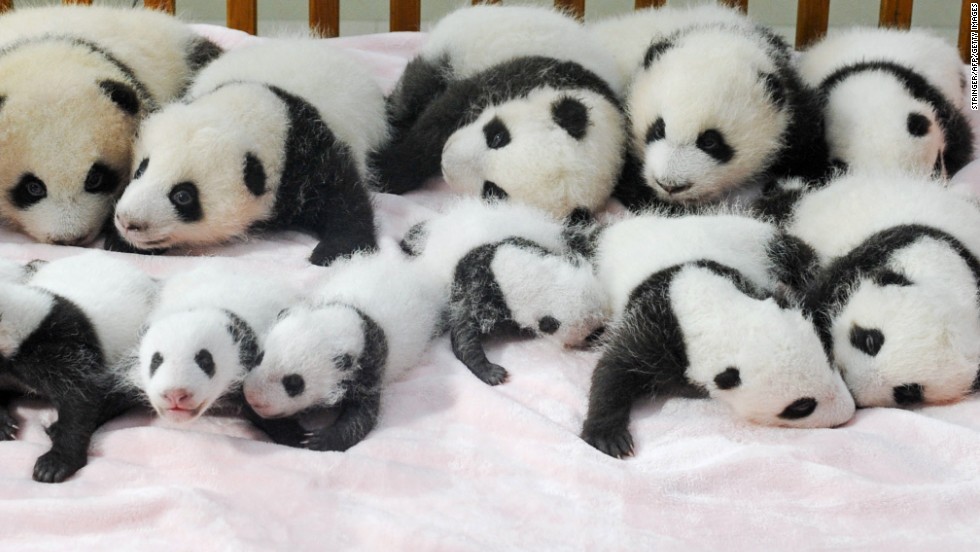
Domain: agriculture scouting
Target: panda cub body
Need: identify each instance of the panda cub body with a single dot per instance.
(371, 319)
(76, 82)
(535, 118)
(892, 99)
(895, 291)
(59, 338)
(274, 135)
(695, 313)
(695, 144)
(203, 336)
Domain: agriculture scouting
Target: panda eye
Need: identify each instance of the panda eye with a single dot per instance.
(713, 143)
(657, 131)
(800, 408)
(728, 379)
(141, 168)
(917, 124)
(155, 363)
(868, 341)
(293, 384)
(205, 362)
(185, 199)
(101, 180)
(29, 190)
(496, 134)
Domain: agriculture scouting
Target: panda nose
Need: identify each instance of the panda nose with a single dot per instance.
(178, 398)
(675, 187)
(129, 225)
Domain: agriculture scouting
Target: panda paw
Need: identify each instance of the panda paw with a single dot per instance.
(55, 467)
(615, 443)
(491, 374)
(8, 426)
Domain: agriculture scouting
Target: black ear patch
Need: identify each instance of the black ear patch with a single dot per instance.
(729, 379)
(186, 202)
(868, 341)
(254, 175)
(656, 50)
(657, 131)
(122, 95)
(248, 343)
(800, 408)
(205, 362)
(28, 191)
(713, 143)
(774, 88)
(294, 384)
(908, 394)
(571, 115)
(155, 363)
(890, 278)
(918, 124)
(548, 325)
(492, 191)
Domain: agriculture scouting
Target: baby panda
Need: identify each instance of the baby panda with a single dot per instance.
(274, 135)
(509, 102)
(695, 314)
(74, 83)
(696, 143)
(203, 336)
(892, 99)
(371, 319)
(60, 336)
(518, 284)
(895, 293)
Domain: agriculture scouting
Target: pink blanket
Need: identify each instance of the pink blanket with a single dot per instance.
(457, 465)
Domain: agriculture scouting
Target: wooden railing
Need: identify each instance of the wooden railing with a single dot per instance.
(406, 15)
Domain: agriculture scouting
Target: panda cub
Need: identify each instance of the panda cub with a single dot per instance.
(76, 80)
(509, 102)
(203, 336)
(694, 313)
(370, 320)
(59, 338)
(518, 284)
(895, 293)
(274, 135)
(695, 143)
(892, 99)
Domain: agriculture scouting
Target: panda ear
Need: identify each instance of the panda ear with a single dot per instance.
(775, 89)
(656, 50)
(571, 115)
(254, 174)
(122, 95)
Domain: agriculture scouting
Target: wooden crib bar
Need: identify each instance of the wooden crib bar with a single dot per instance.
(406, 15)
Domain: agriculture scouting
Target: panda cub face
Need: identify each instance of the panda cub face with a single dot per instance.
(310, 354)
(699, 139)
(873, 123)
(558, 150)
(187, 361)
(197, 179)
(66, 142)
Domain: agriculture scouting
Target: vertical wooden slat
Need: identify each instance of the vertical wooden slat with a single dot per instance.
(574, 7)
(478, 2)
(640, 4)
(740, 4)
(406, 15)
(895, 13)
(965, 31)
(162, 5)
(6, 5)
(243, 15)
(325, 17)
(86, 2)
(811, 21)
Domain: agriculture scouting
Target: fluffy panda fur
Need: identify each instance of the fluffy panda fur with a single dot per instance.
(203, 336)
(516, 284)
(274, 135)
(697, 143)
(893, 286)
(371, 319)
(509, 102)
(74, 83)
(695, 314)
(59, 338)
(892, 99)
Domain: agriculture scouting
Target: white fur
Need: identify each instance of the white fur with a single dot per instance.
(23, 309)
(230, 113)
(400, 297)
(543, 165)
(57, 121)
(479, 37)
(13, 272)
(192, 316)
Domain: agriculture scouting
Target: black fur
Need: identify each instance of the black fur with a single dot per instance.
(141, 168)
(101, 179)
(205, 362)
(200, 53)
(62, 360)
(413, 243)
(714, 144)
(656, 50)
(908, 394)
(254, 175)
(415, 154)
(28, 191)
(496, 134)
(959, 136)
(800, 408)
(571, 115)
(248, 342)
(728, 379)
(420, 84)
(122, 95)
(186, 202)
(794, 262)
(493, 192)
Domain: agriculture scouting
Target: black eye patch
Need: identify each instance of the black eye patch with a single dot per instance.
(868, 341)
(492, 191)
(293, 384)
(917, 124)
(101, 179)
(28, 191)
(205, 362)
(713, 143)
(155, 363)
(729, 379)
(890, 278)
(908, 394)
(254, 175)
(141, 168)
(185, 200)
(496, 134)
(548, 325)
(657, 131)
(800, 408)
(571, 115)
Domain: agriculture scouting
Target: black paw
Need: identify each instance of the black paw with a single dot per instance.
(8, 426)
(615, 443)
(328, 440)
(491, 374)
(55, 467)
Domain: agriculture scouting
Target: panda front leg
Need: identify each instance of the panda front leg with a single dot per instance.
(283, 431)
(358, 416)
(464, 336)
(345, 228)
(8, 424)
(70, 438)
(616, 384)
